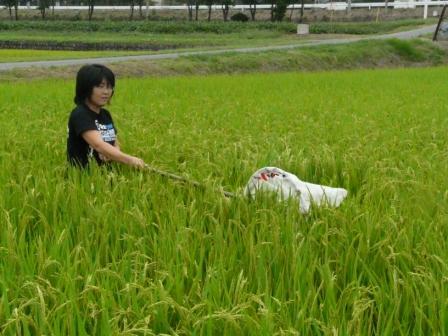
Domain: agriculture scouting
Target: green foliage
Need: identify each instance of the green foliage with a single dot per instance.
(44, 5)
(407, 50)
(279, 9)
(123, 252)
(241, 17)
(147, 27)
(361, 28)
(214, 27)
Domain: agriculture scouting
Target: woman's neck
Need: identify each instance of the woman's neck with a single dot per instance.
(93, 107)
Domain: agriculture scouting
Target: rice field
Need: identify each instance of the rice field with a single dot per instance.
(124, 252)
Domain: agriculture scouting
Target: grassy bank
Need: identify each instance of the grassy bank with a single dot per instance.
(153, 36)
(366, 54)
(366, 28)
(122, 252)
(151, 40)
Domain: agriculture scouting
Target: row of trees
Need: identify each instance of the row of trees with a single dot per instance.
(278, 7)
(12, 4)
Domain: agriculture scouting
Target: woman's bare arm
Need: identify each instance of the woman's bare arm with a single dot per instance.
(93, 138)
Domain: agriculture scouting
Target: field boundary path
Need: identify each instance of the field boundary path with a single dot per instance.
(56, 63)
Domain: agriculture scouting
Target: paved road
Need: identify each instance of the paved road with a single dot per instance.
(401, 35)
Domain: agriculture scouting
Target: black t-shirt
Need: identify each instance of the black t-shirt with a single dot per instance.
(84, 119)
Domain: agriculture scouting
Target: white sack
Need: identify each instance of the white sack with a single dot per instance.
(288, 185)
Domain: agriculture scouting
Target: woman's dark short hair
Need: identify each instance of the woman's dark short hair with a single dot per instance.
(90, 76)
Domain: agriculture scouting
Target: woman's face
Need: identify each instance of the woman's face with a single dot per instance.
(101, 94)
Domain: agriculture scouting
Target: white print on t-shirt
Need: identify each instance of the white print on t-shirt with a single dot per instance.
(107, 131)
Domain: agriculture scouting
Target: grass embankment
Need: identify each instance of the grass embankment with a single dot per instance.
(367, 28)
(366, 54)
(124, 252)
(147, 41)
(8, 55)
(163, 35)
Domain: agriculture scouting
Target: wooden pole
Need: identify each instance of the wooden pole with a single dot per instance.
(434, 38)
(184, 180)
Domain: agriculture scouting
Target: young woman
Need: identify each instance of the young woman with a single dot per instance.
(91, 130)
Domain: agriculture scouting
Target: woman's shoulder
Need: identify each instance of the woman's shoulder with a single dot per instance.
(78, 110)
(79, 114)
(106, 113)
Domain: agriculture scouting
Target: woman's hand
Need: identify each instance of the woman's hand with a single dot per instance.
(103, 158)
(136, 162)
(108, 152)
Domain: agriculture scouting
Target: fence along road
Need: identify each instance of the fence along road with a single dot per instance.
(401, 35)
(332, 5)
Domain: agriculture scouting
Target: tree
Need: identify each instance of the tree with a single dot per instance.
(302, 10)
(252, 7)
(43, 6)
(292, 10)
(225, 6)
(91, 4)
(190, 5)
(10, 4)
(131, 5)
(278, 9)
(196, 7)
(209, 4)
(140, 4)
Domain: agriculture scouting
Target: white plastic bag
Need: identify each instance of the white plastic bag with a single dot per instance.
(288, 185)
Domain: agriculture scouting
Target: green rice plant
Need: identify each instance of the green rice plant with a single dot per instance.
(213, 27)
(123, 252)
(160, 27)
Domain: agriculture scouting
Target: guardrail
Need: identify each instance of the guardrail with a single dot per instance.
(336, 6)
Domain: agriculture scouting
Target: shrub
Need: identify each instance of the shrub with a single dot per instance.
(241, 17)
(407, 50)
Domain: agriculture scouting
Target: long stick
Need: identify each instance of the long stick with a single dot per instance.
(184, 180)
(434, 38)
